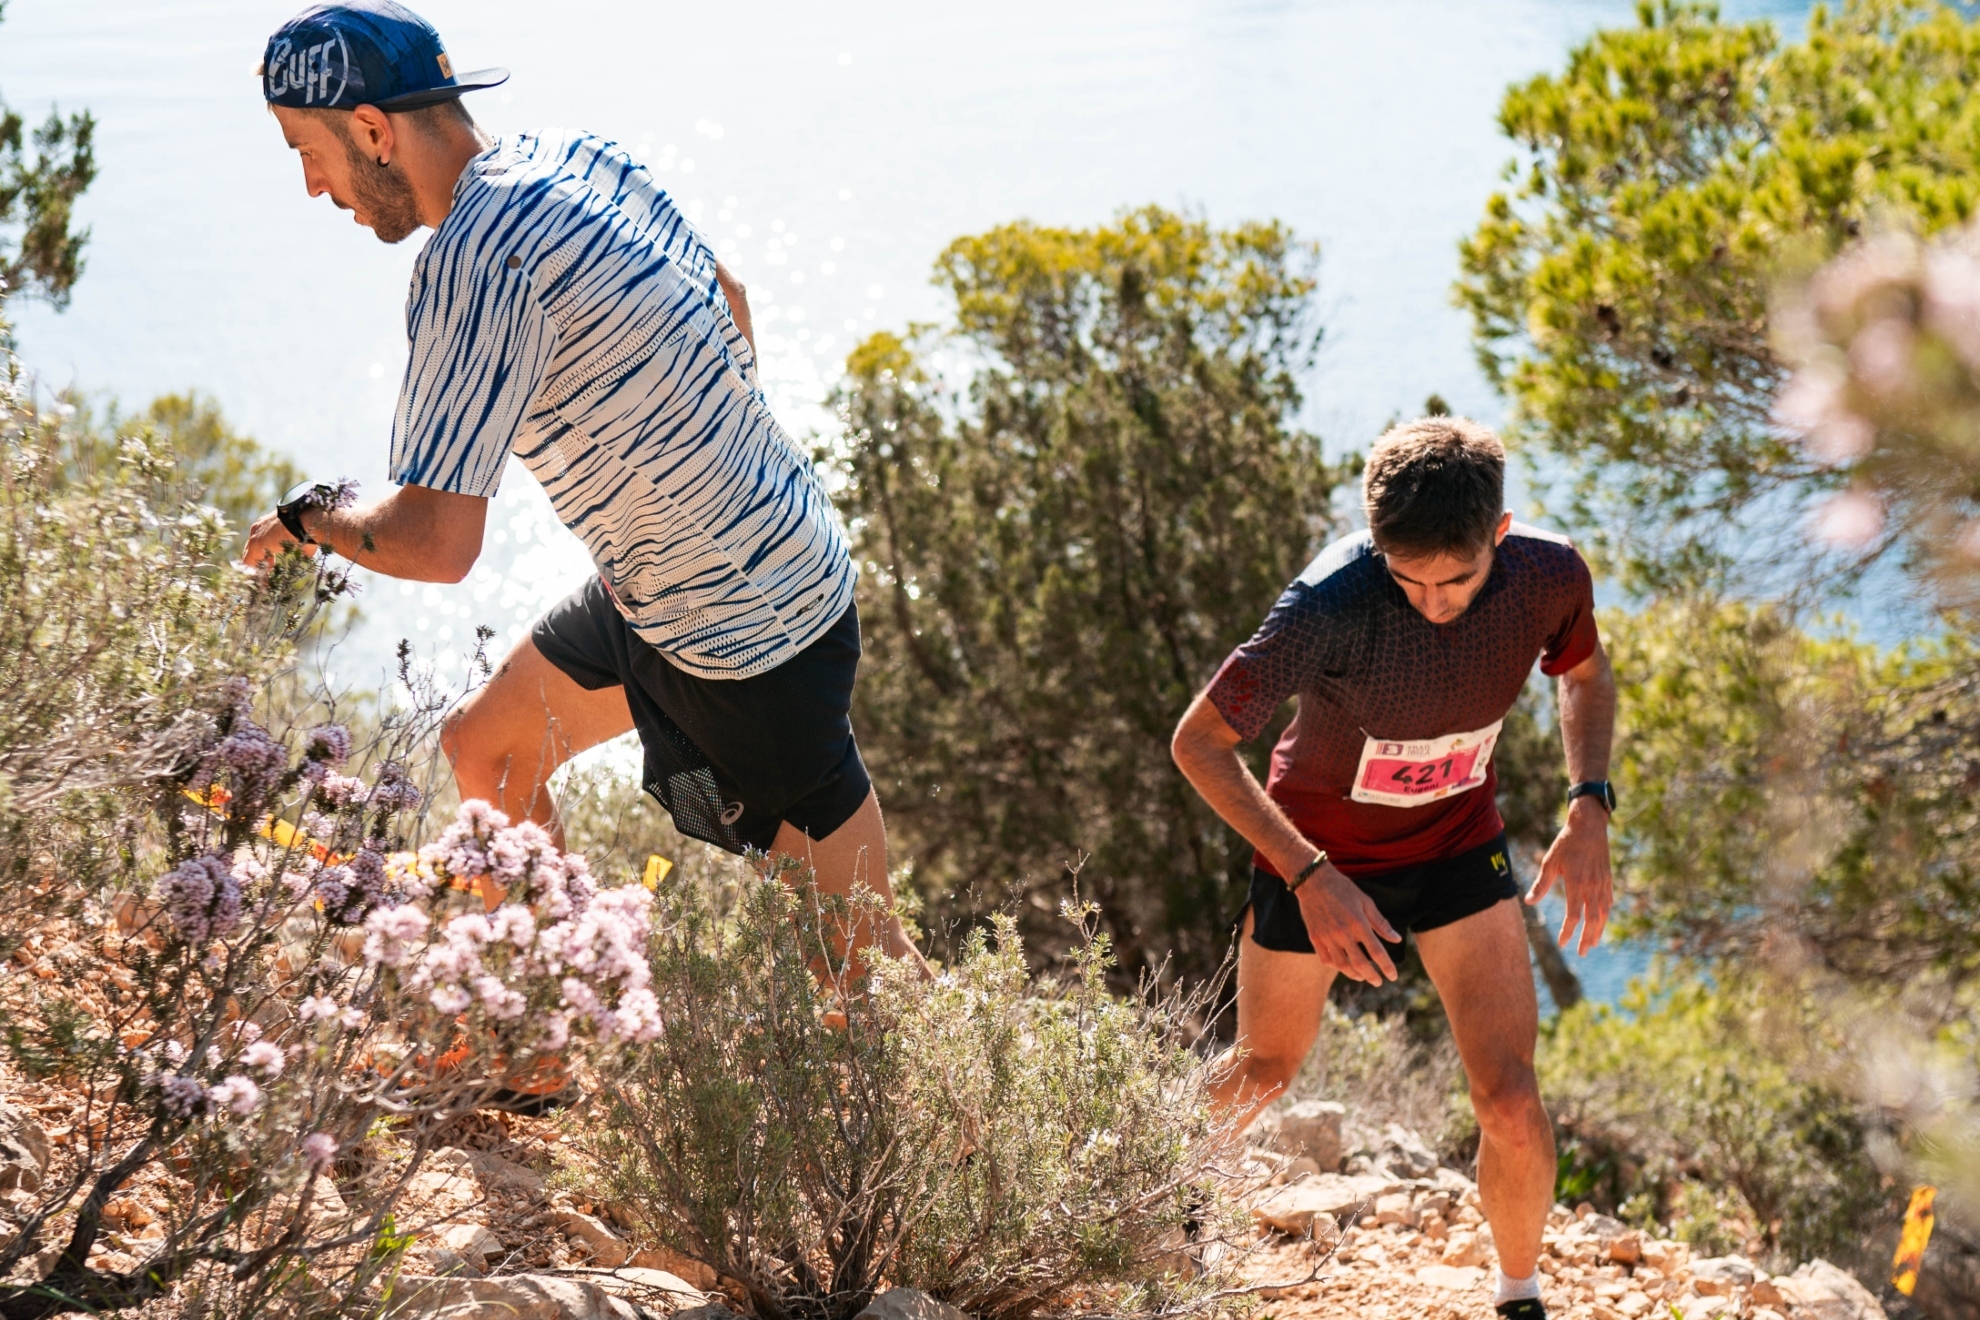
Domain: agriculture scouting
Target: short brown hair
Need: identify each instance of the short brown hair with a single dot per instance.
(1435, 486)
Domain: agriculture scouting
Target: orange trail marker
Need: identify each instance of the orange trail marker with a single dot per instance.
(1918, 1221)
(656, 871)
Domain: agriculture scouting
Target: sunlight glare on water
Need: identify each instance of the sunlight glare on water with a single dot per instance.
(828, 151)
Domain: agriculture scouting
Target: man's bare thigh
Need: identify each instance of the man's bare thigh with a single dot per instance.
(530, 708)
(1481, 970)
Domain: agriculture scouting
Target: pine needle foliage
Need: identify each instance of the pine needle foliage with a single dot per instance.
(1669, 176)
(1070, 502)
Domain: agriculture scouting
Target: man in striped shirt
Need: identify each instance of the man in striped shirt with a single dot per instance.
(565, 311)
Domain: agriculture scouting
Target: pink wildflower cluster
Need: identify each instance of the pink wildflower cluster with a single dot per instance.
(1887, 342)
(558, 949)
(202, 896)
(350, 889)
(188, 1097)
(326, 748)
(249, 761)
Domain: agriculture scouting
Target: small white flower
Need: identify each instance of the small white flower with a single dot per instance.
(319, 1148)
(237, 1094)
(265, 1056)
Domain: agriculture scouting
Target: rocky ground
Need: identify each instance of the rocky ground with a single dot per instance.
(1398, 1235)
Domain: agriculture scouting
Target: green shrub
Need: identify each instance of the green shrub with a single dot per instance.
(1071, 500)
(1683, 1105)
(1008, 1146)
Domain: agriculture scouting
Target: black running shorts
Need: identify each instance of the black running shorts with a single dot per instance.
(730, 759)
(1421, 897)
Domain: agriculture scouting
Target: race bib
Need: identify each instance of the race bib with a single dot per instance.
(1410, 774)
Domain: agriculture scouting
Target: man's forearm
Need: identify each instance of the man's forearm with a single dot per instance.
(1223, 780)
(399, 539)
(1588, 722)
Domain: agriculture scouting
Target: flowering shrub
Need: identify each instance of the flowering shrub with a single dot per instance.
(221, 960)
(1011, 1147)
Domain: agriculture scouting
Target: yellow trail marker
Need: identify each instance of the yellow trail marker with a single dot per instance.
(656, 871)
(1918, 1221)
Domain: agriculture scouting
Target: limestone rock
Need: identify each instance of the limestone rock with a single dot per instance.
(1466, 1248)
(909, 1304)
(1820, 1291)
(1664, 1255)
(1293, 1208)
(1311, 1128)
(513, 1297)
(607, 1248)
(1602, 1228)
(446, 1263)
(446, 1181)
(1719, 1275)
(1451, 1278)
(667, 1260)
(1626, 1248)
(1395, 1208)
(496, 1174)
(1404, 1153)
(654, 1287)
(24, 1150)
(1450, 1180)
(472, 1243)
(712, 1311)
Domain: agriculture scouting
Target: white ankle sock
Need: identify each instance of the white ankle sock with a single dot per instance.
(1512, 1290)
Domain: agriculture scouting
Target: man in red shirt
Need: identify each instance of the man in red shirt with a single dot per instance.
(1406, 645)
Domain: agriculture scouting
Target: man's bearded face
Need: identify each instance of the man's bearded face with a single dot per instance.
(381, 195)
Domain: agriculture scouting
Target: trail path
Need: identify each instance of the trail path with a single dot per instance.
(1421, 1249)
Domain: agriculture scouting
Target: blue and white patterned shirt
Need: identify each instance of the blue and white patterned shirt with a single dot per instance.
(567, 312)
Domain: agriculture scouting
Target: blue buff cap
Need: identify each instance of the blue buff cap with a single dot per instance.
(363, 52)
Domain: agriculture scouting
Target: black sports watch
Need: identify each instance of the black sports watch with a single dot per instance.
(303, 497)
(1599, 789)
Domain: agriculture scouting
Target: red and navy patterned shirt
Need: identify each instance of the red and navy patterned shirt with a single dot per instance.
(1367, 666)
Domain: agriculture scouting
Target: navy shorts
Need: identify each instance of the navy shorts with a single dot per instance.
(1421, 897)
(731, 759)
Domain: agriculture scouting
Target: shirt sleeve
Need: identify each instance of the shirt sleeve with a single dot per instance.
(481, 347)
(1574, 637)
(1282, 658)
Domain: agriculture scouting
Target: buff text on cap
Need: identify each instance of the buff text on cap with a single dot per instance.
(363, 52)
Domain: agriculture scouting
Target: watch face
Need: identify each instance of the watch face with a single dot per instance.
(296, 492)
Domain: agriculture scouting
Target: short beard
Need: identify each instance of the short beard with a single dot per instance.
(384, 192)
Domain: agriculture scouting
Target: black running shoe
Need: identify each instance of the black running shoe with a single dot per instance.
(1522, 1308)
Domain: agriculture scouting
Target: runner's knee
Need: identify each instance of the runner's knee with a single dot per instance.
(1270, 1072)
(1508, 1106)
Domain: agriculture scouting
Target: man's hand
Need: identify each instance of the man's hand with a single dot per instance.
(1346, 927)
(1579, 859)
(266, 539)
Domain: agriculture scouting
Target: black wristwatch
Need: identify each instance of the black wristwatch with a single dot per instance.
(1600, 789)
(305, 496)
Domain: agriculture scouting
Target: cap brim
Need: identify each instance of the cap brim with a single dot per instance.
(479, 80)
